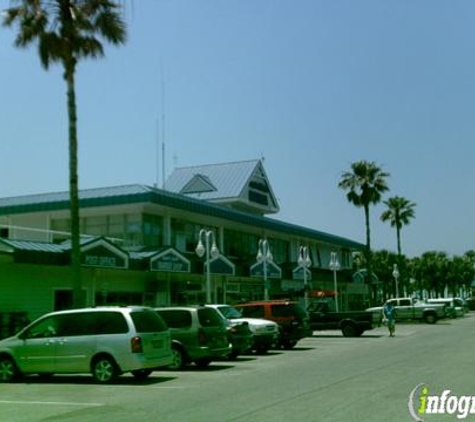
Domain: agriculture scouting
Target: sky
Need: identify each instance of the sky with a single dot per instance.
(311, 86)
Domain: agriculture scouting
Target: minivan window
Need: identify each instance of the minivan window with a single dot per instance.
(47, 327)
(209, 317)
(176, 318)
(110, 323)
(148, 322)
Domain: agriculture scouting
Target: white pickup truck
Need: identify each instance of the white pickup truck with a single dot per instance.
(414, 309)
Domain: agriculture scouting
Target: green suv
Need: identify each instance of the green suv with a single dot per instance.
(199, 335)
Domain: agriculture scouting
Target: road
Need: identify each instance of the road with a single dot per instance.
(325, 378)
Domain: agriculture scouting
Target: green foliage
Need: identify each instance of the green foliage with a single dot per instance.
(67, 31)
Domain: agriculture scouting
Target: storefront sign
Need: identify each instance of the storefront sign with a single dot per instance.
(272, 270)
(101, 253)
(221, 265)
(171, 261)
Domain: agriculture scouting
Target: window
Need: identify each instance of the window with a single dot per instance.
(63, 299)
(252, 311)
(110, 323)
(185, 234)
(209, 317)
(148, 322)
(152, 230)
(176, 319)
(240, 244)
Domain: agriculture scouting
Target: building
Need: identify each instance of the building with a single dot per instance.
(138, 244)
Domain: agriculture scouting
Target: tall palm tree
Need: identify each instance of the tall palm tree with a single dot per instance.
(67, 31)
(399, 213)
(365, 184)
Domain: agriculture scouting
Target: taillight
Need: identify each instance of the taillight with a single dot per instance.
(201, 336)
(136, 345)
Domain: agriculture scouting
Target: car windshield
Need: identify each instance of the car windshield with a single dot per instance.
(229, 312)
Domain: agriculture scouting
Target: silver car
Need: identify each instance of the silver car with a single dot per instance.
(103, 341)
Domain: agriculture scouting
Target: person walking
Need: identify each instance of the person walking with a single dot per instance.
(389, 316)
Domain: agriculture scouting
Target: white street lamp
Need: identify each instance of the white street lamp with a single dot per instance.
(213, 252)
(335, 266)
(264, 255)
(304, 262)
(396, 276)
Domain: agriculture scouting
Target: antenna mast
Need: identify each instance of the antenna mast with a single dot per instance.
(163, 127)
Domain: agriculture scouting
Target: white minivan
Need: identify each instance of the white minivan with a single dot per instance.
(103, 341)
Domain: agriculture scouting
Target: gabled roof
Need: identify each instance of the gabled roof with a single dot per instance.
(242, 185)
(134, 194)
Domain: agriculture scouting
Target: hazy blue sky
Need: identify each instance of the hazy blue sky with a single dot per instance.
(310, 85)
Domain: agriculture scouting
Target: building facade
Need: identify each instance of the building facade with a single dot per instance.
(139, 245)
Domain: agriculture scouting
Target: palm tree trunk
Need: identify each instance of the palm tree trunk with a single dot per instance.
(78, 297)
(369, 266)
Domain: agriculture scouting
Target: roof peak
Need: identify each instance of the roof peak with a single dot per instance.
(256, 160)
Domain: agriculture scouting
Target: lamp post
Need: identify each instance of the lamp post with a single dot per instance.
(264, 255)
(212, 251)
(396, 276)
(304, 262)
(335, 266)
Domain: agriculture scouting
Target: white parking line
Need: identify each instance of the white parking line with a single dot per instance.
(51, 403)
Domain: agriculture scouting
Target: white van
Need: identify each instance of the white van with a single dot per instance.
(103, 341)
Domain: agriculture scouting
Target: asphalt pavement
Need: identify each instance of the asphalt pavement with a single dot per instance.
(326, 377)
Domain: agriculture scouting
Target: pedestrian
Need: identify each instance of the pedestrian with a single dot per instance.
(389, 317)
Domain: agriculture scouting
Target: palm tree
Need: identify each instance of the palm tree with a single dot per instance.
(399, 213)
(67, 31)
(365, 184)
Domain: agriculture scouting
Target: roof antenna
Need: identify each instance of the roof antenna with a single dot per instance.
(262, 157)
(163, 126)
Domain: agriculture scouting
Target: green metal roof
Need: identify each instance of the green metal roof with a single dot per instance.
(136, 193)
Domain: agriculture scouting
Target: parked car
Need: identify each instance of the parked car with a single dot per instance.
(351, 323)
(105, 341)
(470, 303)
(414, 309)
(454, 307)
(291, 317)
(199, 335)
(265, 333)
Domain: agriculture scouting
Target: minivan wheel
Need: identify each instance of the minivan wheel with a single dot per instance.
(178, 360)
(8, 370)
(104, 370)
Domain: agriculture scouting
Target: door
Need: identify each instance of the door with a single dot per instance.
(37, 352)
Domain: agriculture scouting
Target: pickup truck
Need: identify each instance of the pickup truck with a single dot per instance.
(351, 323)
(414, 309)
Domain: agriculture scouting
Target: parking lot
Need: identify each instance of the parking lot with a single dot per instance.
(325, 378)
